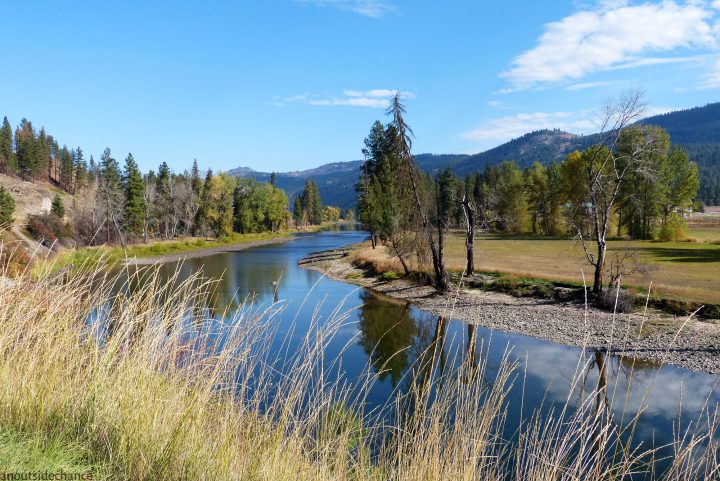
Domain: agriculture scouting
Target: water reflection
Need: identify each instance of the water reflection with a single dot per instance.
(401, 342)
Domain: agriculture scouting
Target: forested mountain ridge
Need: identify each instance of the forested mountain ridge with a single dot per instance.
(696, 130)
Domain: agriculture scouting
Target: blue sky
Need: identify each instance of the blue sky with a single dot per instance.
(292, 84)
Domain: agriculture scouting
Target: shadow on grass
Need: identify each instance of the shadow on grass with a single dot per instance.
(678, 254)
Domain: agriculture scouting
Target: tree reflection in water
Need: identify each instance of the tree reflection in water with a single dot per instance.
(387, 334)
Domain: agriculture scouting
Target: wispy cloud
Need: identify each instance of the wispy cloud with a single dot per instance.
(501, 129)
(593, 85)
(712, 79)
(366, 8)
(614, 35)
(376, 98)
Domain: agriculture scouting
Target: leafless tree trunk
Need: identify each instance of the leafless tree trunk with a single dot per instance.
(469, 213)
(442, 280)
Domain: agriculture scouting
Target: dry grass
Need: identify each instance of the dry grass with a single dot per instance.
(157, 387)
(676, 269)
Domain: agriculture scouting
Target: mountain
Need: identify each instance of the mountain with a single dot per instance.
(696, 130)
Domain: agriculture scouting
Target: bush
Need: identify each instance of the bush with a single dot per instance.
(674, 229)
(389, 276)
(48, 228)
(7, 207)
(611, 300)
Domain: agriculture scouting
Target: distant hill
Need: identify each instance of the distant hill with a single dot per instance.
(696, 130)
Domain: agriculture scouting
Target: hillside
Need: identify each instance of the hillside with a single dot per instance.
(696, 130)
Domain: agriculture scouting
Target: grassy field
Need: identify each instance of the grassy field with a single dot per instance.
(678, 270)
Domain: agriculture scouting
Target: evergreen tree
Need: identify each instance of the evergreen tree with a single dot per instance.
(58, 207)
(195, 180)
(202, 216)
(7, 154)
(298, 211)
(81, 170)
(66, 169)
(110, 193)
(134, 187)
(7, 207)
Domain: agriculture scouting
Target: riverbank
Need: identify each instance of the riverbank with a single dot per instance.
(643, 335)
(207, 251)
(90, 258)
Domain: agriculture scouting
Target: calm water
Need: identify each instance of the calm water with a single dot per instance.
(378, 327)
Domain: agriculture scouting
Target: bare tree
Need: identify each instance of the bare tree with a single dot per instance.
(606, 170)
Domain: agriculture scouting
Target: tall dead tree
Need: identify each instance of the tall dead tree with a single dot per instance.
(404, 147)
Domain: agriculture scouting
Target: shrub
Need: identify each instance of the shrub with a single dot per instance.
(48, 228)
(674, 229)
(7, 207)
(611, 300)
(58, 208)
(389, 276)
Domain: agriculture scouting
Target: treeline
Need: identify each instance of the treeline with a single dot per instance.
(36, 155)
(630, 183)
(118, 204)
(122, 204)
(552, 200)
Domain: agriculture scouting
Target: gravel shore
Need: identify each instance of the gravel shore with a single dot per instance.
(654, 336)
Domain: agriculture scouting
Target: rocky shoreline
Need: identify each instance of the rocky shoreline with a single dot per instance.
(652, 336)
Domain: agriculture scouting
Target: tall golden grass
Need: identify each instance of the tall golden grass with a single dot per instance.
(131, 368)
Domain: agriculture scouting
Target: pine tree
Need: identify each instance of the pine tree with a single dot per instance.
(66, 169)
(195, 180)
(8, 164)
(81, 170)
(110, 193)
(7, 207)
(201, 218)
(58, 208)
(298, 211)
(134, 187)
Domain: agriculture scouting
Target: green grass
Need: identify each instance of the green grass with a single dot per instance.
(91, 257)
(37, 453)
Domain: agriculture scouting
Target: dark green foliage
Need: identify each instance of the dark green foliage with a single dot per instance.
(311, 203)
(298, 211)
(57, 208)
(134, 189)
(8, 163)
(7, 207)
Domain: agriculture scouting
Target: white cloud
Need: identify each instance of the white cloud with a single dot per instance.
(593, 85)
(502, 129)
(495, 104)
(716, 4)
(614, 35)
(366, 8)
(712, 79)
(376, 98)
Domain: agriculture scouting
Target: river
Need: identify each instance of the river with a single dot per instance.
(377, 328)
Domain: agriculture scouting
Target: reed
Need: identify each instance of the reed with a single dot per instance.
(141, 381)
